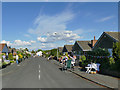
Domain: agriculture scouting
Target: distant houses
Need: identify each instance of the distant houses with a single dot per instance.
(67, 49)
(60, 49)
(79, 48)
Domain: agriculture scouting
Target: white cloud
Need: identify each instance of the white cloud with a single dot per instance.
(68, 36)
(21, 43)
(44, 24)
(33, 41)
(41, 39)
(105, 18)
(7, 42)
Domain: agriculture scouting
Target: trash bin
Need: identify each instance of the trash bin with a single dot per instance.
(69, 63)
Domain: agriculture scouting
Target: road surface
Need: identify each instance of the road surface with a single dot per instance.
(40, 73)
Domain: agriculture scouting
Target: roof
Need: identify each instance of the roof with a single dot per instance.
(113, 34)
(60, 49)
(69, 47)
(85, 45)
(2, 46)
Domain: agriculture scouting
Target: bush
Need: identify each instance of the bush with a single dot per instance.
(83, 60)
(111, 61)
(116, 55)
(20, 56)
(10, 56)
(83, 57)
(11, 61)
(4, 63)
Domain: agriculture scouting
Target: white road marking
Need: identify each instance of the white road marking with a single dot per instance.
(39, 73)
(39, 76)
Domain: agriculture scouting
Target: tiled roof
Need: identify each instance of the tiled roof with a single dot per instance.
(69, 47)
(85, 45)
(114, 35)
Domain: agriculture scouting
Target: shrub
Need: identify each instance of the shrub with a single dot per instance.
(83, 57)
(111, 61)
(20, 56)
(11, 61)
(116, 55)
(4, 63)
(83, 60)
(10, 56)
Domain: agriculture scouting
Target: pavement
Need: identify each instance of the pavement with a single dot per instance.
(41, 73)
(103, 80)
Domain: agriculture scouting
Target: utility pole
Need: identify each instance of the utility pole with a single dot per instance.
(57, 53)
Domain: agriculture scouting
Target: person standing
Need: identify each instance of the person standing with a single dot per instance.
(17, 59)
(3, 58)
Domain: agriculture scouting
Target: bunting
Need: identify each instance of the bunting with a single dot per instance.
(98, 56)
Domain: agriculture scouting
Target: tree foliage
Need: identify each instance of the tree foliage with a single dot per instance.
(116, 55)
(116, 51)
(32, 51)
(54, 52)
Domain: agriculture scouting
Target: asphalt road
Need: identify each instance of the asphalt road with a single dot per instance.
(40, 73)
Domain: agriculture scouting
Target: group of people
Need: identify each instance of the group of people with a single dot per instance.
(5, 57)
(64, 59)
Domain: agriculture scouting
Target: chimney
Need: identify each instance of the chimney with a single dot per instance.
(94, 37)
(93, 42)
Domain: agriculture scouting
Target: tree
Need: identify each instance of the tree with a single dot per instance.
(116, 54)
(39, 50)
(26, 49)
(32, 51)
(54, 52)
(116, 51)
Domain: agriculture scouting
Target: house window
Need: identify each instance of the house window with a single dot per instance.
(110, 51)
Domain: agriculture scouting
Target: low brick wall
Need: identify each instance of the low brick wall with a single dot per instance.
(111, 73)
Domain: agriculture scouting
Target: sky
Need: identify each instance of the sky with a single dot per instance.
(47, 25)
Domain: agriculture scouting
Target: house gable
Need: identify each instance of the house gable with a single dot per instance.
(64, 49)
(5, 49)
(77, 47)
(105, 41)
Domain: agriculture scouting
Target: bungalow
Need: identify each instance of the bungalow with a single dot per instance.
(4, 48)
(68, 49)
(106, 41)
(81, 47)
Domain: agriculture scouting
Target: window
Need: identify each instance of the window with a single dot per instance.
(110, 51)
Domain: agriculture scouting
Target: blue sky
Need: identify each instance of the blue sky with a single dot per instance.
(48, 25)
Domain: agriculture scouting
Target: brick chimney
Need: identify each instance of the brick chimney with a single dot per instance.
(93, 42)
